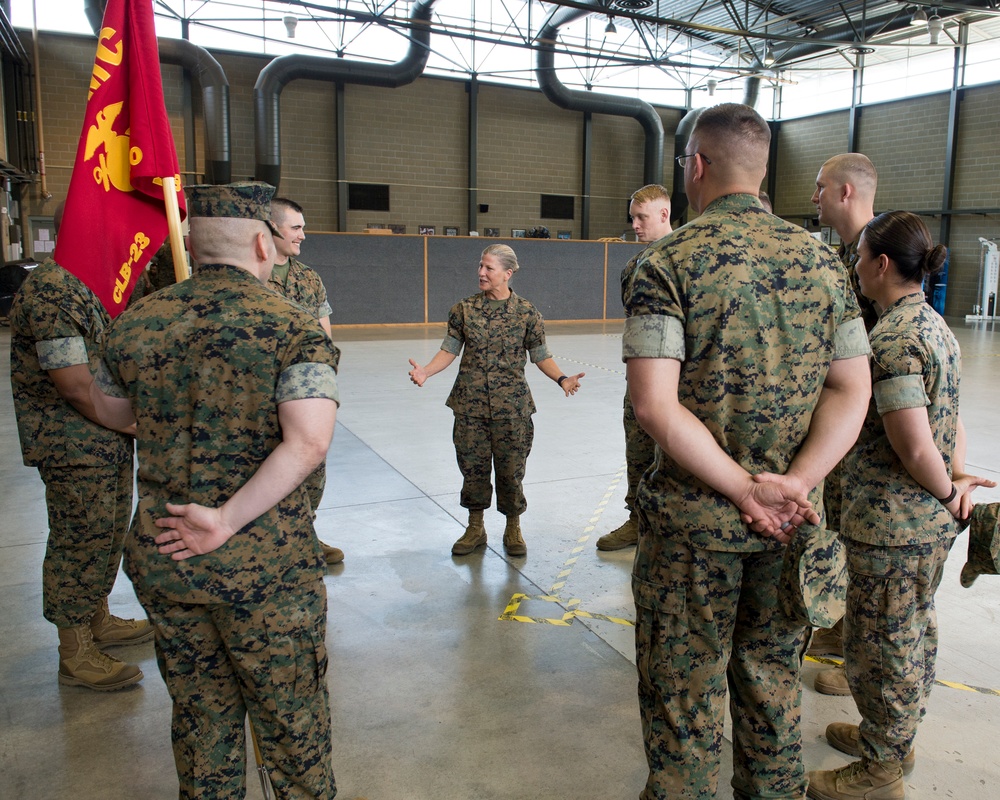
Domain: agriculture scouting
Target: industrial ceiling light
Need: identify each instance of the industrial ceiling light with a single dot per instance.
(712, 84)
(610, 29)
(769, 58)
(934, 27)
(290, 23)
(919, 17)
(632, 5)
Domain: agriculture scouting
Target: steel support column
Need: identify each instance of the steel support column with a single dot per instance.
(951, 150)
(472, 88)
(586, 169)
(341, 158)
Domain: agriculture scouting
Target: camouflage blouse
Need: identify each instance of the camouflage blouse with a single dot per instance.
(756, 309)
(491, 382)
(205, 364)
(303, 285)
(916, 363)
(56, 322)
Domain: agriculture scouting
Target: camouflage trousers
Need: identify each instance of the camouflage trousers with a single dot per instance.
(640, 451)
(483, 445)
(890, 640)
(268, 660)
(706, 620)
(89, 511)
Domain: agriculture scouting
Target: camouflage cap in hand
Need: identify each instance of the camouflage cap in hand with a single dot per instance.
(984, 543)
(242, 200)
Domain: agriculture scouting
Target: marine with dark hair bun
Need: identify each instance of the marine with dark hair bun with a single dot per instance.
(909, 493)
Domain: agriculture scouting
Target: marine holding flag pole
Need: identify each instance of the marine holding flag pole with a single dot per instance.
(116, 214)
(171, 188)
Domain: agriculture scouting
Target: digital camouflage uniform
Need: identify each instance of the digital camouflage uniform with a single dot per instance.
(205, 364)
(491, 398)
(897, 534)
(640, 449)
(302, 284)
(755, 309)
(57, 322)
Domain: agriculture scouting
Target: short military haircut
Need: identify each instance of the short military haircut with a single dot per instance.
(734, 135)
(215, 239)
(652, 191)
(281, 206)
(855, 169)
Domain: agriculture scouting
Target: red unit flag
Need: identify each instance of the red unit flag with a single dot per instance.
(115, 217)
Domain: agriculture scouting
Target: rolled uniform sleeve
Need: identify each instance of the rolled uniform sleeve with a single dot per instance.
(454, 338)
(654, 327)
(452, 345)
(898, 375)
(895, 394)
(301, 381)
(534, 338)
(312, 372)
(60, 353)
(851, 340)
(539, 353)
(653, 337)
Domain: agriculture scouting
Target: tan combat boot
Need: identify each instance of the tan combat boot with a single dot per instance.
(474, 536)
(513, 542)
(847, 739)
(827, 641)
(332, 555)
(625, 535)
(82, 664)
(111, 631)
(833, 681)
(858, 782)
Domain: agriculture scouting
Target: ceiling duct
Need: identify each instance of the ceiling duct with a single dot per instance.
(284, 69)
(214, 92)
(595, 103)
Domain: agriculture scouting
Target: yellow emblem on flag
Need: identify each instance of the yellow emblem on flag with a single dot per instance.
(114, 163)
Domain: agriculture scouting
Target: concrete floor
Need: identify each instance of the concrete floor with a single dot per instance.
(477, 677)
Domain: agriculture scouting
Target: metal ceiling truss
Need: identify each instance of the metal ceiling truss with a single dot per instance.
(699, 38)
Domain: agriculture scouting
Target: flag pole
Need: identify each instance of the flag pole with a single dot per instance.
(174, 226)
(265, 781)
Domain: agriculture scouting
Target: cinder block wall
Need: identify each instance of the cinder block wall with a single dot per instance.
(527, 147)
(415, 139)
(906, 143)
(977, 185)
(803, 146)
